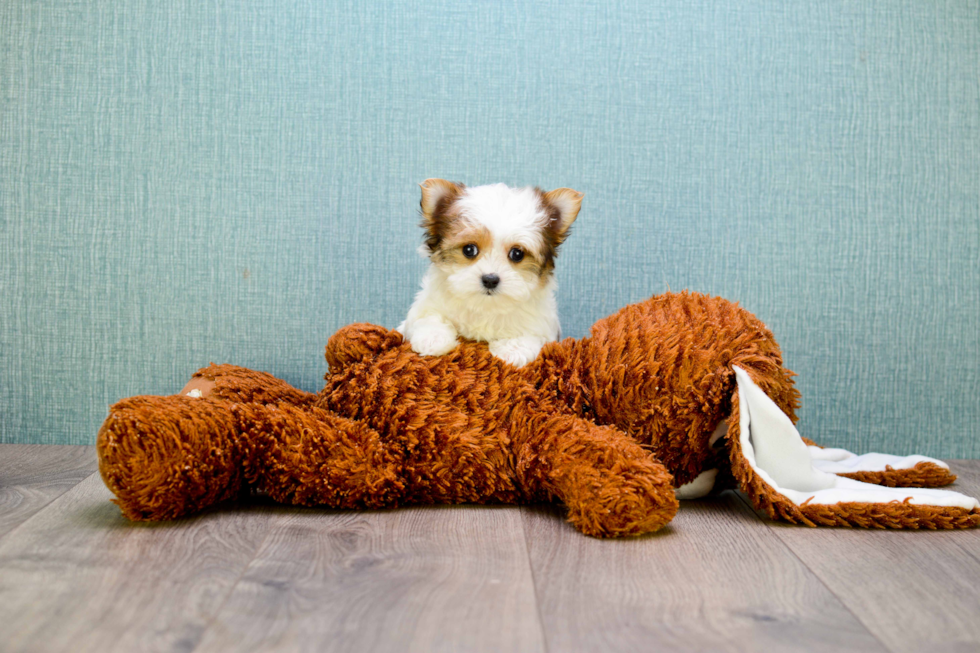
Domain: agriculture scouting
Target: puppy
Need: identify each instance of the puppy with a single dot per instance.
(492, 251)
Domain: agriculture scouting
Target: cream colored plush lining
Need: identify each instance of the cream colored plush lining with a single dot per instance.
(774, 449)
(699, 487)
(841, 461)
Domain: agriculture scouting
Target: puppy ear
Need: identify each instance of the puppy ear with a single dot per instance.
(437, 196)
(567, 202)
(435, 191)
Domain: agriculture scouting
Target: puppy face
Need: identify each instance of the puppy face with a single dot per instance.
(494, 241)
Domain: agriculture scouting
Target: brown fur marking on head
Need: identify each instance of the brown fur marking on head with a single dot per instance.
(561, 206)
(540, 262)
(438, 197)
(458, 234)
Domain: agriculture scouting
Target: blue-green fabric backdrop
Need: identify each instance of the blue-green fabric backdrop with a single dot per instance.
(193, 181)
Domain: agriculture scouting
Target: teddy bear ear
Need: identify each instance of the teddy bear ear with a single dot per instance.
(568, 202)
(436, 190)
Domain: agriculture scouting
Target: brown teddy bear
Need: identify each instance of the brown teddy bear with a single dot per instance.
(669, 398)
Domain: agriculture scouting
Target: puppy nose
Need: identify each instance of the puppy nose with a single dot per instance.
(490, 281)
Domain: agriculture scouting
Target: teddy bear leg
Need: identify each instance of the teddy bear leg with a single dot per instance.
(313, 457)
(610, 485)
(242, 385)
(166, 457)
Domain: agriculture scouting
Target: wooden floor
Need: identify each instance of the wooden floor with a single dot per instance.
(76, 576)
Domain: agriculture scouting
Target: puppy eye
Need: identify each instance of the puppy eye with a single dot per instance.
(516, 254)
(470, 251)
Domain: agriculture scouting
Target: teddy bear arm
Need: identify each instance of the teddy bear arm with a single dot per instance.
(610, 485)
(357, 342)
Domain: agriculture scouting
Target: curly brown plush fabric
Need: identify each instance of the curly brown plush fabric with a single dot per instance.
(922, 475)
(607, 425)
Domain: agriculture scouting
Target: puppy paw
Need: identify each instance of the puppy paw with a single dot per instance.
(434, 340)
(516, 351)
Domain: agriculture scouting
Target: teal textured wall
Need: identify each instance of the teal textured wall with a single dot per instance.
(189, 181)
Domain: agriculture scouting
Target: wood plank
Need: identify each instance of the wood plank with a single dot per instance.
(714, 579)
(80, 577)
(33, 475)
(915, 590)
(449, 578)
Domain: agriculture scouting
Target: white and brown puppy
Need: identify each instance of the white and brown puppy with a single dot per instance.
(492, 250)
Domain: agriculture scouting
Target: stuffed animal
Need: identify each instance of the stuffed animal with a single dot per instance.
(669, 398)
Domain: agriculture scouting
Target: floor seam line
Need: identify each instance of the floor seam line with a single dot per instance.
(769, 526)
(534, 581)
(47, 505)
(231, 589)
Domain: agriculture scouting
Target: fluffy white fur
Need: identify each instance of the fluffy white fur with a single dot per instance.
(520, 314)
